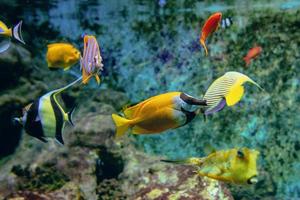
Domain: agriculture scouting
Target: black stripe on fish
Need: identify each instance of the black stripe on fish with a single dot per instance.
(33, 125)
(226, 22)
(189, 116)
(59, 119)
(191, 100)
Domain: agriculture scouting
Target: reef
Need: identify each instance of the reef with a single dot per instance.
(93, 166)
(157, 51)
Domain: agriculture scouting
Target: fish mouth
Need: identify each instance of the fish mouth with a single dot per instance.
(252, 180)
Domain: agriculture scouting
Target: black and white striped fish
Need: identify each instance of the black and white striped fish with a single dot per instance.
(7, 33)
(45, 117)
(226, 22)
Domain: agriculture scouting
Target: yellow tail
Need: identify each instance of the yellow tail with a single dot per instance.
(202, 42)
(122, 125)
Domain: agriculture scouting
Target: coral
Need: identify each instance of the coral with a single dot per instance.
(43, 178)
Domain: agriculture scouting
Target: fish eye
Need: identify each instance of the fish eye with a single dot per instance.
(240, 154)
(252, 180)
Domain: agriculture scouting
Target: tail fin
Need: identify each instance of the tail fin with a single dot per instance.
(4, 45)
(202, 42)
(122, 125)
(188, 161)
(247, 60)
(70, 116)
(17, 32)
(97, 78)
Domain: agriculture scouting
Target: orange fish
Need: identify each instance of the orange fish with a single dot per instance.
(252, 53)
(210, 26)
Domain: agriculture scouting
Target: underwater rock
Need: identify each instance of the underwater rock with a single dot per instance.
(92, 165)
(145, 177)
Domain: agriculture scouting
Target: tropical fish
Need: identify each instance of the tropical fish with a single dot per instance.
(227, 89)
(210, 26)
(7, 33)
(91, 62)
(62, 55)
(252, 53)
(158, 113)
(227, 22)
(234, 165)
(45, 117)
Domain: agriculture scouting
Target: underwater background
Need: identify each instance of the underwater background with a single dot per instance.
(151, 47)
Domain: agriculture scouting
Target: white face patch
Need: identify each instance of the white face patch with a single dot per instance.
(179, 103)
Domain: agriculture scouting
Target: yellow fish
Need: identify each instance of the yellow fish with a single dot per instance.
(158, 113)
(62, 55)
(7, 33)
(228, 89)
(234, 165)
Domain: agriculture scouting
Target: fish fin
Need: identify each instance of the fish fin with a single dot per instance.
(70, 116)
(247, 60)
(188, 161)
(42, 139)
(122, 125)
(234, 95)
(202, 42)
(139, 130)
(59, 138)
(97, 78)
(67, 68)
(3, 25)
(17, 32)
(4, 45)
(217, 108)
(85, 76)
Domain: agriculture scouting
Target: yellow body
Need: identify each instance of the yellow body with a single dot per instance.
(153, 115)
(6, 31)
(62, 55)
(234, 165)
(229, 87)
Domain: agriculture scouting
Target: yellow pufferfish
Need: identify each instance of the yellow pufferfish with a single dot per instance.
(62, 55)
(234, 165)
(158, 113)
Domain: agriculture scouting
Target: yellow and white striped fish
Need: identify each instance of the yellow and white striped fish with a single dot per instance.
(227, 89)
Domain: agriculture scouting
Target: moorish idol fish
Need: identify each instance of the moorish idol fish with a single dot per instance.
(91, 61)
(62, 55)
(7, 33)
(236, 165)
(45, 117)
(210, 26)
(158, 113)
(227, 89)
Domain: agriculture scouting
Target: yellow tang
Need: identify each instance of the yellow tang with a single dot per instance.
(227, 89)
(158, 113)
(234, 165)
(62, 55)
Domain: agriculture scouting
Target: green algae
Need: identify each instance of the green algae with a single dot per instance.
(44, 178)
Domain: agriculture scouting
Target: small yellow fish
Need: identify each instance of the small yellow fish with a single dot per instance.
(158, 113)
(7, 33)
(228, 89)
(234, 165)
(62, 55)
